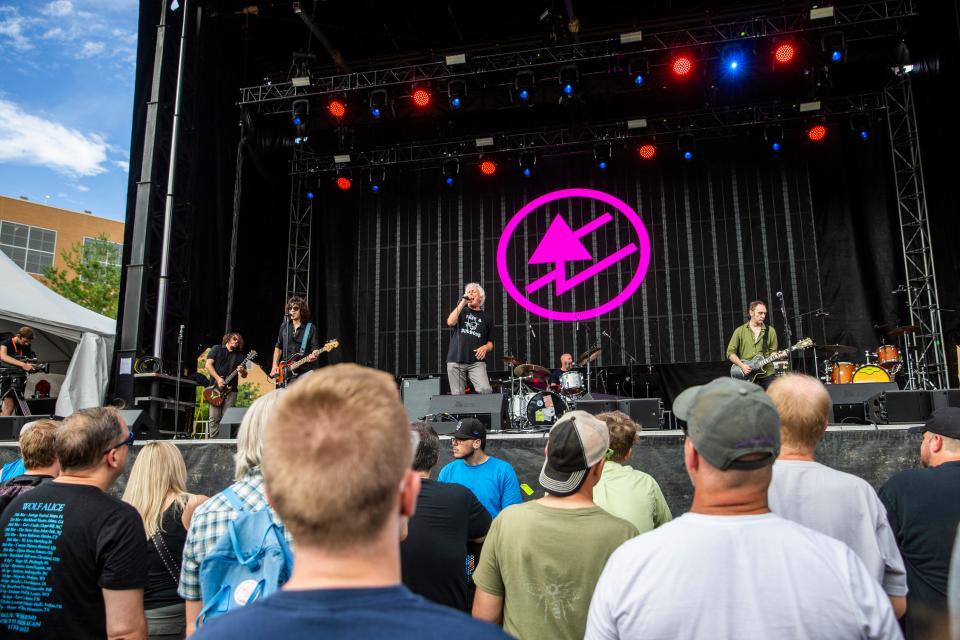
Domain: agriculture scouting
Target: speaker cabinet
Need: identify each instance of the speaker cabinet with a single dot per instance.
(231, 420)
(416, 394)
(488, 408)
(140, 423)
(10, 425)
(598, 406)
(647, 412)
(905, 406)
(944, 398)
(857, 402)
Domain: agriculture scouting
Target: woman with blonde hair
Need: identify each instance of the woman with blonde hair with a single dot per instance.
(157, 490)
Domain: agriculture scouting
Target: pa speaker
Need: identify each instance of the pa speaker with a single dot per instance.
(488, 408)
(598, 406)
(944, 398)
(10, 425)
(856, 402)
(231, 420)
(140, 423)
(647, 412)
(905, 406)
(416, 393)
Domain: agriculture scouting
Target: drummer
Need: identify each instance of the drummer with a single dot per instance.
(566, 364)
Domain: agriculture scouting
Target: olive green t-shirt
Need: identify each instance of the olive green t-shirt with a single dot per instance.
(545, 563)
(746, 346)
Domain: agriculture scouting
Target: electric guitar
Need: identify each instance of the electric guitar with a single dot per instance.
(215, 395)
(757, 363)
(287, 369)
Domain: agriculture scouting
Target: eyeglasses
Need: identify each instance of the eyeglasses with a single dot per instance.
(126, 443)
(294, 308)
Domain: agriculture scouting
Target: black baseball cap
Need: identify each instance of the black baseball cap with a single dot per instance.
(470, 429)
(945, 421)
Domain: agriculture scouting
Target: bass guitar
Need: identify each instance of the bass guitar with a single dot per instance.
(287, 369)
(215, 395)
(757, 363)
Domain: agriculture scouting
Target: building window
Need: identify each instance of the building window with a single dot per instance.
(114, 251)
(32, 248)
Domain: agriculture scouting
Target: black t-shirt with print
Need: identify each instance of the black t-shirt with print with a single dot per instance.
(474, 328)
(60, 545)
(225, 362)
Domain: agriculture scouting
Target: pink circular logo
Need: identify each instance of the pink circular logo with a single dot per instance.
(561, 244)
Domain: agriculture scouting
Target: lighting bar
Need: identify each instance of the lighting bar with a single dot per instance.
(459, 58)
(342, 158)
(300, 81)
(809, 106)
(638, 123)
(631, 37)
(818, 13)
(483, 142)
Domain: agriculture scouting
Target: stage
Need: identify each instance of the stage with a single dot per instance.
(872, 452)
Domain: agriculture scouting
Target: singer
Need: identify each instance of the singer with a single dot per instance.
(471, 342)
(297, 336)
(755, 338)
(222, 360)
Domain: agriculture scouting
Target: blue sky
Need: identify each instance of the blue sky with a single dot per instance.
(66, 101)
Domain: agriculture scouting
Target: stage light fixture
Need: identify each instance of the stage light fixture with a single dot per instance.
(300, 110)
(834, 46)
(773, 134)
(488, 167)
(784, 51)
(861, 126)
(568, 77)
(639, 69)
(378, 102)
(687, 146)
(682, 65)
(451, 171)
(523, 83)
(344, 183)
(456, 93)
(647, 151)
(527, 160)
(817, 132)
(602, 154)
(376, 178)
(337, 107)
(309, 194)
(421, 96)
(732, 60)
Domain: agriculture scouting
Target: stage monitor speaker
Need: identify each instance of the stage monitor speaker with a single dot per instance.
(857, 401)
(598, 406)
(647, 412)
(10, 425)
(944, 398)
(140, 423)
(488, 408)
(416, 393)
(230, 422)
(905, 406)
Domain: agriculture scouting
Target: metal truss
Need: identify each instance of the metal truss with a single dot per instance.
(858, 22)
(929, 359)
(705, 125)
(299, 238)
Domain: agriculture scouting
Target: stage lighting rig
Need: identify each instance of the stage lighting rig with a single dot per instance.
(861, 126)
(527, 161)
(488, 167)
(647, 151)
(773, 134)
(375, 178)
(732, 60)
(343, 182)
(523, 84)
(300, 111)
(686, 145)
(451, 171)
(682, 65)
(421, 96)
(337, 106)
(456, 93)
(602, 154)
(834, 46)
(784, 52)
(568, 77)
(639, 69)
(378, 103)
(816, 130)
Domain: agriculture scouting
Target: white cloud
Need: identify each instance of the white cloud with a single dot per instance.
(56, 32)
(12, 29)
(91, 49)
(123, 164)
(81, 188)
(32, 140)
(58, 8)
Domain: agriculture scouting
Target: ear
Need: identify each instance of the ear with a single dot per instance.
(409, 490)
(597, 469)
(691, 459)
(936, 443)
(629, 454)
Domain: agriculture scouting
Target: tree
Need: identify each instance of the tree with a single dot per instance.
(95, 283)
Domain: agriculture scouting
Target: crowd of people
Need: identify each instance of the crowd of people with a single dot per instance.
(335, 527)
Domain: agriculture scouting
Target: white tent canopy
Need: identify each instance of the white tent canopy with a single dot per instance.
(69, 336)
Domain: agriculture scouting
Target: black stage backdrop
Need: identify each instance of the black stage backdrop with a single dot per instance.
(819, 225)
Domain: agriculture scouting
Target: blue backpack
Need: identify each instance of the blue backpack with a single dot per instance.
(249, 563)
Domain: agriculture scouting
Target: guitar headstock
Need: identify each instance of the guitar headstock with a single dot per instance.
(251, 356)
(330, 345)
(806, 343)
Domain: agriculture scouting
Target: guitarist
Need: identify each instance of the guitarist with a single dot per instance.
(752, 339)
(222, 360)
(297, 335)
(13, 352)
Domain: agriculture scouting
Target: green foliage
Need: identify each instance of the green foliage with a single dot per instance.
(247, 392)
(96, 280)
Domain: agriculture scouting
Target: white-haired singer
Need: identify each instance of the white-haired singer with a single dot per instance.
(471, 342)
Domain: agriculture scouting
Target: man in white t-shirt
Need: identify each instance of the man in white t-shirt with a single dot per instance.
(838, 504)
(730, 568)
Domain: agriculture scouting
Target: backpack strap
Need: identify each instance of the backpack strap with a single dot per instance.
(234, 499)
(306, 337)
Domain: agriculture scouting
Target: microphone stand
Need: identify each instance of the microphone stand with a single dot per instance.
(286, 340)
(630, 357)
(786, 327)
(176, 394)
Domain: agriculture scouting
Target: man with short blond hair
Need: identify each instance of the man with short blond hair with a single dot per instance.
(838, 504)
(74, 558)
(336, 460)
(623, 491)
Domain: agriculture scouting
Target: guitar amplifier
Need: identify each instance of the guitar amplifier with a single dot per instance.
(488, 408)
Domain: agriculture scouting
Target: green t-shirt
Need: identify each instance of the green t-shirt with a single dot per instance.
(746, 346)
(545, 562)
(633, 495)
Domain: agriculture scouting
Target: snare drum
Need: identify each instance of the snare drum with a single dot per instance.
(871, 373)
(545, 408)
(888, 357)
(842, 372)
(571, 383)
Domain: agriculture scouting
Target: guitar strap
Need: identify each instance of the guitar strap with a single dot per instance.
(766, 327)
(306, 337)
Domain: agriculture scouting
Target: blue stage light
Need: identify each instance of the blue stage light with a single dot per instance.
(375, 112)
(449, 180)
(455, 103)
(526, 172)
(639, 79)
(375, 188)
(568, 89)
(688, 155)
(864, 134)
(836, 56)
(309, 195)
(775, 146)
(602, 165)
(297, 121)
(524, 95)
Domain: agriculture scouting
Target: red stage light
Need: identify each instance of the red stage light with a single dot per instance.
(784, 53)
(337, 109)
(421, 97)
(647, 151)
(344, 183)
(817, 133)
(488, 167)
(682, 65)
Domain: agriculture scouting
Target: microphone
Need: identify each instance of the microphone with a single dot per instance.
(604, 333)
(465, 298)
(780, 294)
(180, 337)
(821, 313)
(532, 332)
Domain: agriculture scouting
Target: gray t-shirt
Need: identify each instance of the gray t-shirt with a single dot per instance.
(844, 507)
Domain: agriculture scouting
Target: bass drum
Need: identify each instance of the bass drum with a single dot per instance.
(842, 372)
(545, 408)
(871, 373)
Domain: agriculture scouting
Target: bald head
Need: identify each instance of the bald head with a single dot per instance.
(804, 407)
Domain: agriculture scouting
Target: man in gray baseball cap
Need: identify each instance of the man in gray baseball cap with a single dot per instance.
(751, 573)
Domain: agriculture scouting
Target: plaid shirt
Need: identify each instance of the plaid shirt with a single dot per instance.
(209, 524)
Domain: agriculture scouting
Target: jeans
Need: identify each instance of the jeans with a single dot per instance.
(216, 413)
(458, 374)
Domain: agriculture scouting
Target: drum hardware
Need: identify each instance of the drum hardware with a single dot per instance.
(781, 368)
(531, 370)
(571, 383)
(902, 331)
(836, 348)
(511, 362)
(589, 356)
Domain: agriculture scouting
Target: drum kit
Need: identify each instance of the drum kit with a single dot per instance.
(533, 402)
(881, 365)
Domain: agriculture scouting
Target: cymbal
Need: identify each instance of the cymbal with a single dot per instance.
(899, 331)
(533, 370)
(589, 356)
(836, 348)
(510, 361)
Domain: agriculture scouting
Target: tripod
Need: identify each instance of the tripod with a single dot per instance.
(13, 392)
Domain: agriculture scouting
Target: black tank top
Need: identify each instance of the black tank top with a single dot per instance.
(161, 590)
